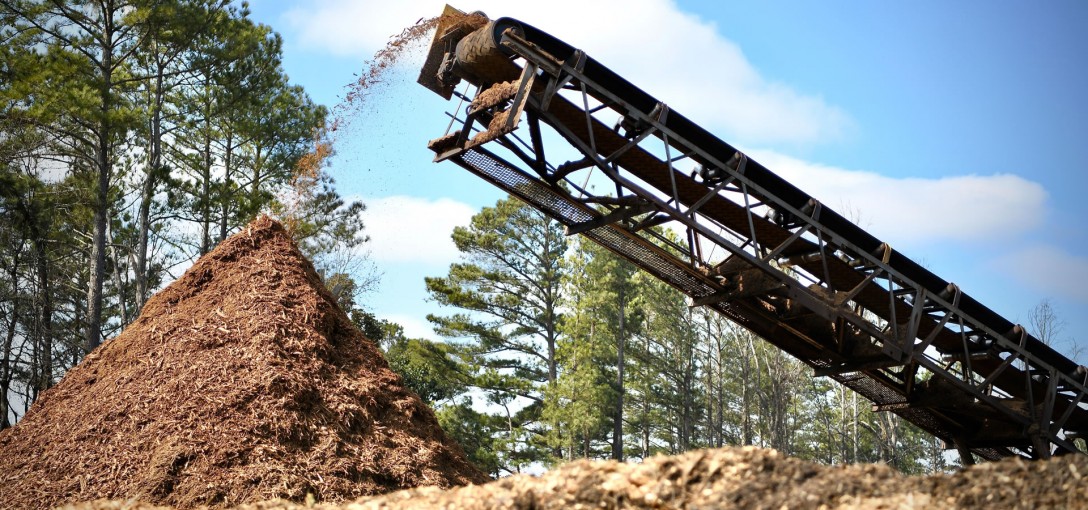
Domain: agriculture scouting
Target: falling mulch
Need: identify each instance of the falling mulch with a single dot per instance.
(741, 478)
(373, 79)
(376, 69)
(242, 381)
(411, 37)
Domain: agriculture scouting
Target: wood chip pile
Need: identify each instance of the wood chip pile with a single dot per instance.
(242, 381)
(737, 478)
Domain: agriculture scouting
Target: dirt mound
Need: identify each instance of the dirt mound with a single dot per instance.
(242, 381)
(742, 478)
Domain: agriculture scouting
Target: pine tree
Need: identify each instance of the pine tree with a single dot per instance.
(507, 289)
(586, 403)
(82, 95)
(98, 124)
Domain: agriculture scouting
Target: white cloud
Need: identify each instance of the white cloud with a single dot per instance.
(917, 211)
(1049, 270)
(412, 229)
(414, 327)
(652, 43)
(354, 28)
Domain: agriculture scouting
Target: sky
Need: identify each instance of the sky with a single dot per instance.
(955, 131)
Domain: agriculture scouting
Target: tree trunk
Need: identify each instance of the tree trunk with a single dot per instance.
(45, 321)
(143, 231)
(552, 365)
(147, 194)
(93, 335)
(225, 199)
(856, 439)
(688, 413)
(7, 363)
(118, 279)
(748, 394)
(255, 185)
(720, 429)
(617, 423)
(551, 298)
(645, 405)
(205, 184)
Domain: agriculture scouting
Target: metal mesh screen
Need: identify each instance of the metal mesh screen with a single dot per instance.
(639, 251)
(670, 270)
(528, 189)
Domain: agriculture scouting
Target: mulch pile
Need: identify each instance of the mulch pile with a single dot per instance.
(242, 381)
(742, 478)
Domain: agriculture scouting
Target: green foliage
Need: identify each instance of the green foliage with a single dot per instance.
(242, 150)
(690, 378)
(508, 288)
(322, 222)
(477, 433)
(428, 368)
(665, 353)
(120, 124)
(601, 297)
(577, 410)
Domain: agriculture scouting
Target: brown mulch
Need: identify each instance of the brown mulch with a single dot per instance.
(242, 381)
(742, 478)
(753, 478)
(371, 81)
(495, 128)
(494, 95)
(375, 70)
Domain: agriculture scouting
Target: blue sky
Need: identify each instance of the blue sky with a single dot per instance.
(954, 129)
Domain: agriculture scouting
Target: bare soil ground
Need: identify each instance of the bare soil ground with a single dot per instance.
(242, 381)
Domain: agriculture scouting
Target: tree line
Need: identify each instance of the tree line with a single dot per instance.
(134, 136)
(557, 349)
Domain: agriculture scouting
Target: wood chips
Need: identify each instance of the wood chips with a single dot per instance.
(242, 381)
(741, 478)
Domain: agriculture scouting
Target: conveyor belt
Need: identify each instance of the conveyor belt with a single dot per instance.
(951, 365)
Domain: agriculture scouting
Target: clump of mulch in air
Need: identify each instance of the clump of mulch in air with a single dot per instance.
(740, 478)
(495, 128)
(242, 381)
(494, 95)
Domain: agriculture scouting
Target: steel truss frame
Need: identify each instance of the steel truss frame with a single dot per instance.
(848, 312)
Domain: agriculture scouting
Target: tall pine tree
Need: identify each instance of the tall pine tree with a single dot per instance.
(507, 288)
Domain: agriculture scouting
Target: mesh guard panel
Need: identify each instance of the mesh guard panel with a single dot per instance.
(568, 212)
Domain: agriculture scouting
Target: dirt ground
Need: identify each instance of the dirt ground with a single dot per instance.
(242, 381)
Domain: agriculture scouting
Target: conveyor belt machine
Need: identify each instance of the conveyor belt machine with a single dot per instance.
(752, 246)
